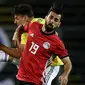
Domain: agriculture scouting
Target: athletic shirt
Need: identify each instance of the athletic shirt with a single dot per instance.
(57, 61)
(38, 50)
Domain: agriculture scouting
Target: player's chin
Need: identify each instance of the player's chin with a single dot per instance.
(50, 26)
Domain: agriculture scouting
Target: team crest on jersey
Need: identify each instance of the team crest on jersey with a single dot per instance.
(46, 45)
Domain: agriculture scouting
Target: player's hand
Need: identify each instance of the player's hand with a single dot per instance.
(15, 39)
(63, 79)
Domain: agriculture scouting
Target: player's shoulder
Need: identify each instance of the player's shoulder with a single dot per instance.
(40, 20)
(60, 43)
(56, 37)
(34, 24)
(57, 40)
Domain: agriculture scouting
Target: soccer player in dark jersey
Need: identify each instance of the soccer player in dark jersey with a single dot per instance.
(41, 45)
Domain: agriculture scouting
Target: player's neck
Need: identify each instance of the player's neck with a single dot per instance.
(24, 24)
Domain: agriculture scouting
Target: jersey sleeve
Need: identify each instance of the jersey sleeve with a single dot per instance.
(60, 50)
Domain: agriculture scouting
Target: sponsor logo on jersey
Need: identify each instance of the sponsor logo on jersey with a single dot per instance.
(32, 35)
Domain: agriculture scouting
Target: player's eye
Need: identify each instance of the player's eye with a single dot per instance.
(51, 17)
(56, 19)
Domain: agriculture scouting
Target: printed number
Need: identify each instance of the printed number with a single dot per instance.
(34, 47)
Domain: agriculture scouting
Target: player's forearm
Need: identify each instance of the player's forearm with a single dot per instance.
(67, 67)
(20, 30)
(11, 51)
(17, 35)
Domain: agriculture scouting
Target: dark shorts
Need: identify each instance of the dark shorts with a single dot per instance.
(24, 83)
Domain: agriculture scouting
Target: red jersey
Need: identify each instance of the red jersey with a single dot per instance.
(39, 48)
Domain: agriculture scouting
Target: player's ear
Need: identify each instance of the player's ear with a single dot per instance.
(45, 17)
(29, 19)
(26, 18)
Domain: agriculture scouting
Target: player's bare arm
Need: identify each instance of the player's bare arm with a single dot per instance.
(14, 52)
(17, 35)
(67, 69)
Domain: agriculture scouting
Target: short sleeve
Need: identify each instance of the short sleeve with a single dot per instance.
(60, 50)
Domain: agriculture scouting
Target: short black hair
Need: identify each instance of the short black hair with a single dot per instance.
(57, 8)
(23, 9)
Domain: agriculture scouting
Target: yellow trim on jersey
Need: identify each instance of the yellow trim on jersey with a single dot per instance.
(24, 38)
(56, 61)
(40, 20)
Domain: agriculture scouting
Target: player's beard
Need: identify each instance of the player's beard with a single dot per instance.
(49, 27)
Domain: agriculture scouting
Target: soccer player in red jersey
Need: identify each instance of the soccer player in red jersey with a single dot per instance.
(41, 45)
